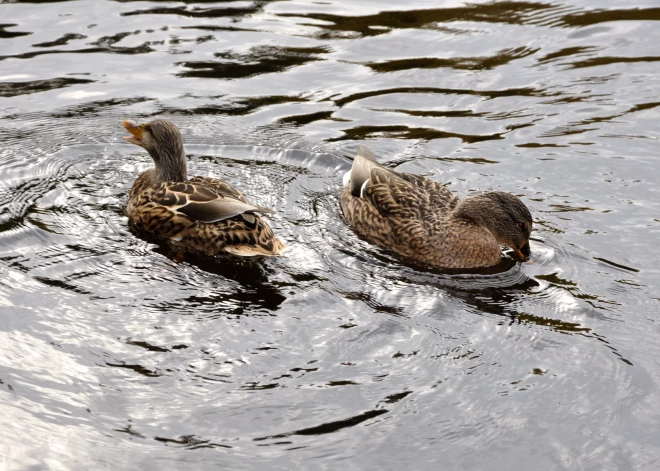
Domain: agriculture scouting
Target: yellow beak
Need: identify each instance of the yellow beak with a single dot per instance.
(136, 131)
(524, 257)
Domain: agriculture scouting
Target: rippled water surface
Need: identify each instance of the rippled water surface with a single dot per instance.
(115, 356)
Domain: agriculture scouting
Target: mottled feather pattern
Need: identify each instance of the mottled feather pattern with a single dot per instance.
(220, 188)
(201, 203)
(200, 214)
(410, 215)
(160, 209)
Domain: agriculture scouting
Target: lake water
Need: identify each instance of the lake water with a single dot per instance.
(115, 356)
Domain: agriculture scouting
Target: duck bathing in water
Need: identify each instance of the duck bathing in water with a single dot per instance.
(203, 214)
(425, 223)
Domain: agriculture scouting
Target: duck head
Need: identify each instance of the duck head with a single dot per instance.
(163, 140)
(504, 215)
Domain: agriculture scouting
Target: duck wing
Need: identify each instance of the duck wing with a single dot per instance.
(203, 201)
(393, 196)
(220, 187)
(439, 196)
(396, 193)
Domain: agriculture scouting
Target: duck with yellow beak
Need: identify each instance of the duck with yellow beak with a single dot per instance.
(200, 214)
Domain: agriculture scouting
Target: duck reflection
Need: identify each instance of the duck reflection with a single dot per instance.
(243, 288)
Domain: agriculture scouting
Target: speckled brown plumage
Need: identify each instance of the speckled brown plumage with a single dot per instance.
(422, 221)
(202, 214)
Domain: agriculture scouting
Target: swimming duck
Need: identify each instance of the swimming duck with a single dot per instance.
(202, 214)
(424, 222)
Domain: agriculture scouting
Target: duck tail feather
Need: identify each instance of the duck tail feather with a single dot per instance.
(364, 161)
(366, 153)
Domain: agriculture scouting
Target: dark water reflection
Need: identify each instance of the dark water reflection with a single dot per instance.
(116, 356)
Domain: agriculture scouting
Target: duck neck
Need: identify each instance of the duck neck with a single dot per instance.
(170, 164)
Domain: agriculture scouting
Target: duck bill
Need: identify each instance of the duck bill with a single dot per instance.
(524, 253)
(136, 132)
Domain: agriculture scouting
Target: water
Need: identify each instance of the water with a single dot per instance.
(115, 356)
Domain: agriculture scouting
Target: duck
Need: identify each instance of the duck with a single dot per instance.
(201, 214)
(424, 223)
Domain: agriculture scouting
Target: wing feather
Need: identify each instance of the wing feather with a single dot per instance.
(204, 201)
(396, 193)
(220, 187)
(392, 195)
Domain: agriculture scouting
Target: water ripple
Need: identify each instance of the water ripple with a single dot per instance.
(124, 355)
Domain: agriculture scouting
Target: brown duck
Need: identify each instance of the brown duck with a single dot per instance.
(423, 222)
(198, 215)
